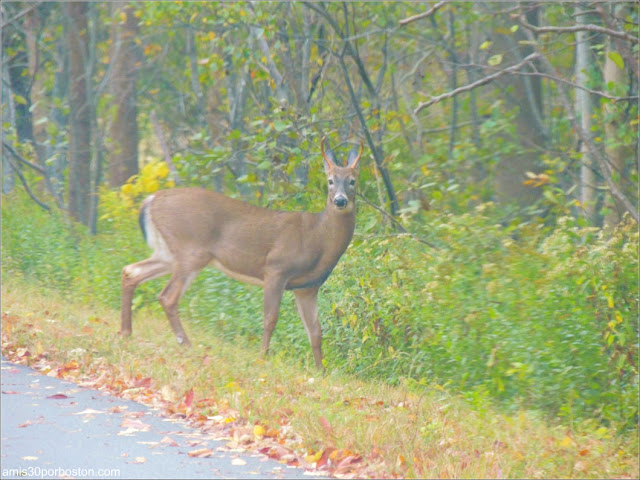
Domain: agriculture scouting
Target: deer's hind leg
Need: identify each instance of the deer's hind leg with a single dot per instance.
(132, 276)
(169, 298)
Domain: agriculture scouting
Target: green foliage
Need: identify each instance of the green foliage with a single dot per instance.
(523, 315)
(545, 319)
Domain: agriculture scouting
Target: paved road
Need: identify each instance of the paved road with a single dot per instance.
(52, 428)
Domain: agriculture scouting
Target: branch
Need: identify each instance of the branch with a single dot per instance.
(20, 158)
(576, 28)
(20, 14)
(599, 93)
(426, 14)
(17, 171)
(477, 83)
(395, 221)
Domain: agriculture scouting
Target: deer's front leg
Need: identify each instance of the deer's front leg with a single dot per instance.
(273, 290)
(307, 301)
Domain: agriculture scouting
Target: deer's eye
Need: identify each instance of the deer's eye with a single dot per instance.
(330, 182)
(352, 182)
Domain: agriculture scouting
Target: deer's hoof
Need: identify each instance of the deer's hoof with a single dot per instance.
(124, 333)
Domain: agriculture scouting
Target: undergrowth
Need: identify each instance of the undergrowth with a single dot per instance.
(525, 316)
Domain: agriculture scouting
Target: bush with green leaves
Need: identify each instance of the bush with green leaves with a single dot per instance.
(529, 316)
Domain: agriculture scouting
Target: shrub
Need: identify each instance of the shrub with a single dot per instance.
(525, 315)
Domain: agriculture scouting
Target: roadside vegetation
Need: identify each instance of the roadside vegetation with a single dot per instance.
(497, 351)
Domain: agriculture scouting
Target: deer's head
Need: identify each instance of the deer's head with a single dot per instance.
(341, 180)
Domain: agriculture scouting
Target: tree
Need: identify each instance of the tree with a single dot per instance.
(79, 113)
(584, 110)
(123, 155)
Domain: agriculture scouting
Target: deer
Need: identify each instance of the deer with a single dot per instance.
(191, 228)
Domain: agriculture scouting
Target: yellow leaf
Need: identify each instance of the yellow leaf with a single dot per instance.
(258, 430)
(566, 442)
(313, 458)
(610, 301)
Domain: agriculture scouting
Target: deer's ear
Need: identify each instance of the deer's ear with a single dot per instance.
(332, 158)
(354, 156)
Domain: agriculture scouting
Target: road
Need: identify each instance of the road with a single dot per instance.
(51, 428)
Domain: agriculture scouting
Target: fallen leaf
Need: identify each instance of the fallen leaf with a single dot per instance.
(201, 453)
(22, 352)
(258, 430)
(188, 398)
(57, 396)
(324, 458)
(313, 458)
(87, 411)
(135, 424)
(238, 462)
(29, 458)
(139, 460)
(169, 441)
(9, 392)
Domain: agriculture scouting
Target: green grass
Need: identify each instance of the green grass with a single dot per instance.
(398, 430)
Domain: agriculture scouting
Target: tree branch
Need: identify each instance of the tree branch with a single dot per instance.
(395, 221)
(598, 93)
(23, 160)
(426, 14)
(17, 171)
(477, 83)
(576, 28)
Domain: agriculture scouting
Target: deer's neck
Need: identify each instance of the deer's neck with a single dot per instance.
(338, 227)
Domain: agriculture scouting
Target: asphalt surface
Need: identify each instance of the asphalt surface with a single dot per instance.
(51, 428)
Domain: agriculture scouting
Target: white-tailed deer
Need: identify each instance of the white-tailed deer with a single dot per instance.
(190, 228)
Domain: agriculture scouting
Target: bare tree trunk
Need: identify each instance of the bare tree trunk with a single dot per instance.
(615, 153)
(79, 114)
(123, 157)
(31, 26)
(8, 106)
(584, 108)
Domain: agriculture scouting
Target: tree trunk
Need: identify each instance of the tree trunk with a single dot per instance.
(9, 107)
(79, 113)
(123, 155)
(615, 75)
(526, 95)
(584, 108)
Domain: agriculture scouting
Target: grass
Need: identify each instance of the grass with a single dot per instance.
(349, 426)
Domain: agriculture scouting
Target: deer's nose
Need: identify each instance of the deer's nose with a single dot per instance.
(340, 202)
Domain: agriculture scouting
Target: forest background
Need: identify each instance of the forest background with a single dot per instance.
(496, 247)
